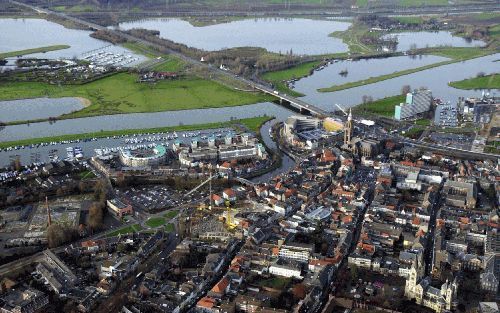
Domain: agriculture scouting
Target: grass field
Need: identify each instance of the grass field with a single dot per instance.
(455, 54)
(171, 64)
(121, 93)
(279, 77)
(11, 54)
(171, 214)
(352, 37)
(423, 122)
(125, 230)
(155, 222)
(383, 107)
(86, 175)
(169, 228)
(276, 282)
(485, 82)
(410, 19)
(251, 123)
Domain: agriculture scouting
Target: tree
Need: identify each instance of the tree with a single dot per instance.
(354, 272)
(299, 291)
(96, 215)
(405, 89)
(58, 234)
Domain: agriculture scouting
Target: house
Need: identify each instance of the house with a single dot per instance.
(229, 194)
(207, 304)
(217, 200)
(220, 288)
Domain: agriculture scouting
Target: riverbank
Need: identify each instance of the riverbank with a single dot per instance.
(352, 37)
(382, 107)
(279, 78)
(456, 55)
(483, 82)
(12, 54)
(121, 93)
(252, 124)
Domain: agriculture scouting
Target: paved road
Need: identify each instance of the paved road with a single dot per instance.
(294, 11)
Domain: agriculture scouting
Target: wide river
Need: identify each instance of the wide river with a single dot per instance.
(436, 79)
(20, 34)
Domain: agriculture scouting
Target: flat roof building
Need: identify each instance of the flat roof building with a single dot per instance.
(118, 208)
(417, 102)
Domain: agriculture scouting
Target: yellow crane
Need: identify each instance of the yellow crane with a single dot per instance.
(229, 224)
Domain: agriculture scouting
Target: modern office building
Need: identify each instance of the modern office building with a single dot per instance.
(446, 115)
(417, 102)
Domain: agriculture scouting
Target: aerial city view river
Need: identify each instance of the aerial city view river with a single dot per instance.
(302, 36)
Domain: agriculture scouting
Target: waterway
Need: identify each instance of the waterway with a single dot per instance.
(436, 79)
(29, 109)
(20, 34)
(286, 162)
(361, 69)
(123, 121)
(413, 40)
(288, 33)
(301, 36)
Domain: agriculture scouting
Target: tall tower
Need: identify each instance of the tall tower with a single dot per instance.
(49, 218)
(348, 128)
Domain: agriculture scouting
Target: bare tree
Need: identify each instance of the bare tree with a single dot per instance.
(405, 89)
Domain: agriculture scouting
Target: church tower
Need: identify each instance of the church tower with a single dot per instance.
(348, 129)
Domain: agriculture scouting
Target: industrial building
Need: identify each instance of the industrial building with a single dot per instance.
(25, 300)
(417, 102)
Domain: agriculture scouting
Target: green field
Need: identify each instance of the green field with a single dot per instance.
(125, 230)
(278, 78)
(456, 55)
(171, 64)
(484, 82)
(171, 214)
(352, 37)
(409, 19)
(11, 54)
(250, 123)
(383, 107)
(416, 3)
(155, 221)
(276, 282)
(121, 93)
(423, 122)
(169, 228)
(86, 175)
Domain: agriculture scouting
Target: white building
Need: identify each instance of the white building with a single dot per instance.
(285, 271)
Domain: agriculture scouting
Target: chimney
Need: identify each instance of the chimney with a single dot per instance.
(49, 219)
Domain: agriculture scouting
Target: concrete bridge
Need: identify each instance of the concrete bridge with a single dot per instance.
(302, 106)
(245, 181)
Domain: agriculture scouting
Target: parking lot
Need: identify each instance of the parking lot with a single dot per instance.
(151, 198)
(460, 141)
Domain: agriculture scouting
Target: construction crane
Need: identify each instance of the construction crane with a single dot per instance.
(208, 180)
(229, 219)
(341, 109)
